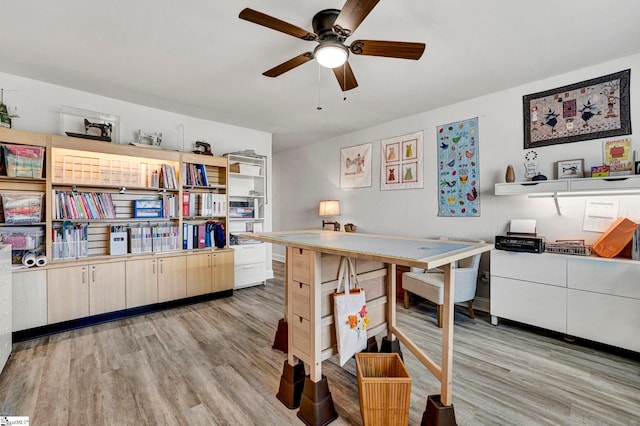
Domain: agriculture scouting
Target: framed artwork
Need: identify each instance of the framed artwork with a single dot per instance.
(355, 166)
(571, 169)
(617, 155)
(592, 109)
(458, 169)
(401, 162)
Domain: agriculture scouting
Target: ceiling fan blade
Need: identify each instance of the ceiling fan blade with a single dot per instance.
(275, 24)
(345, 77)
(352, 14)
(289, 65)
(389, 49)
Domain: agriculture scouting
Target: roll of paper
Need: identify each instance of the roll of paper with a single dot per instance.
(41, 260)
(29, 259)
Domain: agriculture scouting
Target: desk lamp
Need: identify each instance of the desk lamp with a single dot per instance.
(329, 208)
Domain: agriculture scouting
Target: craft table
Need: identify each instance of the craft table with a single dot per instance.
(312, 261)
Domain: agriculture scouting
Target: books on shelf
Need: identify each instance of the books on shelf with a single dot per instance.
(204, 204)
(194, 174)
(82, 205)
(167, 178)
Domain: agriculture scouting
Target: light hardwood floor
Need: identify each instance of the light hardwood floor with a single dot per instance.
(212, 364)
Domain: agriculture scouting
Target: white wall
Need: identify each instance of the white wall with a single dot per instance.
(39, 106)
(308, 174)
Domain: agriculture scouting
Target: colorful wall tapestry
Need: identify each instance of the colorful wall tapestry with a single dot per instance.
(355, 166)
(401, 162)
(592, 109)
(458, 169)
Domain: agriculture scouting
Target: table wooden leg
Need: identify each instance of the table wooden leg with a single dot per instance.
(439, 410)
(447, 334)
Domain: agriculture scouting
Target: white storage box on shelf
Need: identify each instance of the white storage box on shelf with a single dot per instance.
(245, 169)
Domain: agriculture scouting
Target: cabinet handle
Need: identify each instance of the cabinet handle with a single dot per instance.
(84, 277)
(154, 268)
(161, 267)
(93, 275)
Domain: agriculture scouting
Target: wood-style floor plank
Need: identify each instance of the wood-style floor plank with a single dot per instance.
(212, 364)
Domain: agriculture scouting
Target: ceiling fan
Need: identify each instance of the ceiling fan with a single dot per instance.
(331, 28)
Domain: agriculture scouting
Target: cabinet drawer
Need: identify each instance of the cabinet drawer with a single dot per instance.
(530, 303)
(302, 261)
(249, 253)
(604, 318)
(249, 274)
(300, 299)
(527, 267)
(605, 276)
(301, 337)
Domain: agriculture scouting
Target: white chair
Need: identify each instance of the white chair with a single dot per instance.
(430, 284)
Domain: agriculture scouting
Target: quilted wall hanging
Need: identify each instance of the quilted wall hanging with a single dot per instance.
(458, 169)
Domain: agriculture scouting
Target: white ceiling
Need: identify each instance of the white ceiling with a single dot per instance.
(198, 58)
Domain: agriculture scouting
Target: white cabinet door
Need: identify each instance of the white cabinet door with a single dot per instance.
(541, 305)
(29, 294)
(609, 276)
(541, 268)
(250, 264)
(613, 320)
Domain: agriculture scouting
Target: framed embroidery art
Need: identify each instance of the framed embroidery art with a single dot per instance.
(458, 169)
(592, 109)
(401, 162)
(355, 166)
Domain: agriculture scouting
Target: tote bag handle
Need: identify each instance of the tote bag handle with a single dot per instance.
(347, 274)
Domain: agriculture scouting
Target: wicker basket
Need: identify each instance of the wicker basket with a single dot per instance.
(384, 387)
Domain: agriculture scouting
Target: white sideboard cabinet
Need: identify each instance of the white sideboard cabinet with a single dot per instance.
(588, 297)
(5, 304)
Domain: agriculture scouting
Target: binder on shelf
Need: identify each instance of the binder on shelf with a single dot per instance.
(189, 237)
(185, 203)
(201, 235)
(185, 232)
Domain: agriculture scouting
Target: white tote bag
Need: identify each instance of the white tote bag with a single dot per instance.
(350, 313)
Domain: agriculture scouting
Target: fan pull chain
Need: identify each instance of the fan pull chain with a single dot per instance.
(319, 107)
(344, 80)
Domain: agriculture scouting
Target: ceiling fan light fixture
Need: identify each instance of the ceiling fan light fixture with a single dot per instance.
(331, 54)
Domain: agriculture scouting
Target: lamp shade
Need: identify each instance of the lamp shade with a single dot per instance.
(329, 208)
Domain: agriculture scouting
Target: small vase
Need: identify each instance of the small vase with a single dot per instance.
(510, 176)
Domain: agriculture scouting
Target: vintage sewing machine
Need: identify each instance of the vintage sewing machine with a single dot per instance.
(155, 139)
(205, 146)
(105, 131)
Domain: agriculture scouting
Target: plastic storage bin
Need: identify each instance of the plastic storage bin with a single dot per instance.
(22, 237)
(23, 161)
(22, 208)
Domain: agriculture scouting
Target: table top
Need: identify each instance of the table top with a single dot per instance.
(416, 252)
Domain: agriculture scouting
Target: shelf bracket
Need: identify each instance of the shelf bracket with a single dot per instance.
(557, 203)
